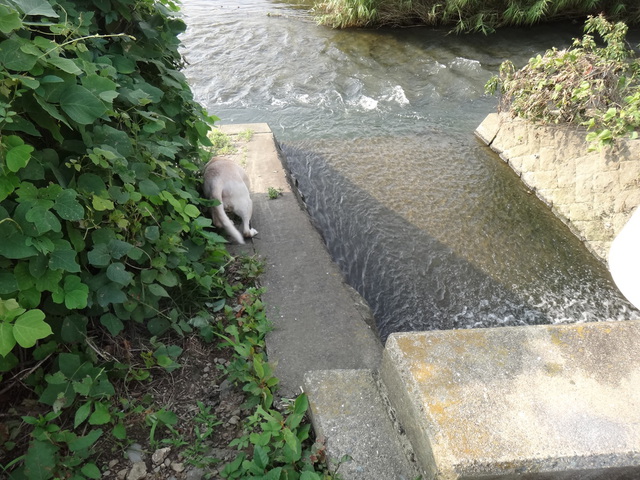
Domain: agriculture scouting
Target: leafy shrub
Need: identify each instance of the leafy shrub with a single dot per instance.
(587, 84)
(100, 225)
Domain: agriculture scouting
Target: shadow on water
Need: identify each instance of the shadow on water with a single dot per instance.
(424, 260)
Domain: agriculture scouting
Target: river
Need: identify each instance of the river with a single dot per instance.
(376, 127)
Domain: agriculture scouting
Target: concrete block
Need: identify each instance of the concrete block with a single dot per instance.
(349, 411)
(537, 402)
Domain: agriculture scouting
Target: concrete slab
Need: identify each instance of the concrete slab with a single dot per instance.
(320, 322)
(539, 402)
(348, 410)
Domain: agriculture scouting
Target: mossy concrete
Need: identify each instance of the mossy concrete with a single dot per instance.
(538, 402)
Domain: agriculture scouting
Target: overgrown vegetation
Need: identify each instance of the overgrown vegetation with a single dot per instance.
(468, 15)
(106, 263)
(594, 84)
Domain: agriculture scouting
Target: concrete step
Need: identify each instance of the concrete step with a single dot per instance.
(349, 411)
(537, 402)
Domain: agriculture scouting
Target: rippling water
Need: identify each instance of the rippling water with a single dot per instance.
(377, 128)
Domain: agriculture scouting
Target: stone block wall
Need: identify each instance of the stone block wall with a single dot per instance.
(594, 193)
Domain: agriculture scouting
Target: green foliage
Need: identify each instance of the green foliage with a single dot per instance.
(280, 443)
(468, 15)
(101, 232)
(274, 193)
(591, 85)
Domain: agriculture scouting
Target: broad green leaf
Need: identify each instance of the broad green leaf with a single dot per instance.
(90, 470)
(157, 326)
(157, 290)
(112, 323)
(8, 283)
(36, 7)
(30, 327)
(64, 259)
(82, 413)
(261, 457)
(44, 219)
(152, 233)
(119, 431)
(8, 363)
(168, 279)
(110, 293)
(76, 293)
(40, 460)
(9, 20)
(69, 364)
(92, 183)
(101, 204)
(81, 105)
(192, 211)
(148, 187)
(166, 417)
(7, 340)
(74, 328)
(293, 443)
(18, 157)
(119, 248)
(101, 414)
(13, 58)
(65, 64)
(68, 207)
(101, 87)
(99, 256)
(8, 183)
(117, 273)
(82, 443)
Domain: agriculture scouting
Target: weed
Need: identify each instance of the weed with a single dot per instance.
(274, 193)
(246, 135)
(221, 143)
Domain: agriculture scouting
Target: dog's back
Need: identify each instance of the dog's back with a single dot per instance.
(226, 181)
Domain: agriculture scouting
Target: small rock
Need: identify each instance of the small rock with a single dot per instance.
(113, 463)
(160, 455)
(138, 471)
(194, 474)
(207, 369)
(134, 453)
(234, 420)
(177, 467)
(167, 462)
(122, 474)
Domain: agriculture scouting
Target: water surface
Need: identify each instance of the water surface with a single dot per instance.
(376, 126)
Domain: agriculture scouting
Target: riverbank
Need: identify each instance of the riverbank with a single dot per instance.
(466, 15)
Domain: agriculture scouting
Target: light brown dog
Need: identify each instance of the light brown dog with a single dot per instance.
(226, 181)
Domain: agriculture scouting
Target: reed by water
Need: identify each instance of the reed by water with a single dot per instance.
(469, 15)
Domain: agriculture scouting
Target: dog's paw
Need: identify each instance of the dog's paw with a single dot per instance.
(251, 233)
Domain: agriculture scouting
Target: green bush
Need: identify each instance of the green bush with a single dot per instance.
(592, 85)
(101, 232)
(468, 15)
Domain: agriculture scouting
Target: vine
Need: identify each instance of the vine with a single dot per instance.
(101, 232)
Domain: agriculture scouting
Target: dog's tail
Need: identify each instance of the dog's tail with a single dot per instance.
(227, 223)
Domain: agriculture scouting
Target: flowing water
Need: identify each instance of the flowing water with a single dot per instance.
(376, 127)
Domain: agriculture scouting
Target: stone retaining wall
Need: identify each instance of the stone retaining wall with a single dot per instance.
(593, 193)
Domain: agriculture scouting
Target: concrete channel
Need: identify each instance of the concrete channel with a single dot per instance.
(534, 403)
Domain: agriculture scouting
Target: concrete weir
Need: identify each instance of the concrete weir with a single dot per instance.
(534, 403)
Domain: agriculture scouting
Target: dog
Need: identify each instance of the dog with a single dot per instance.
(227, 182)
